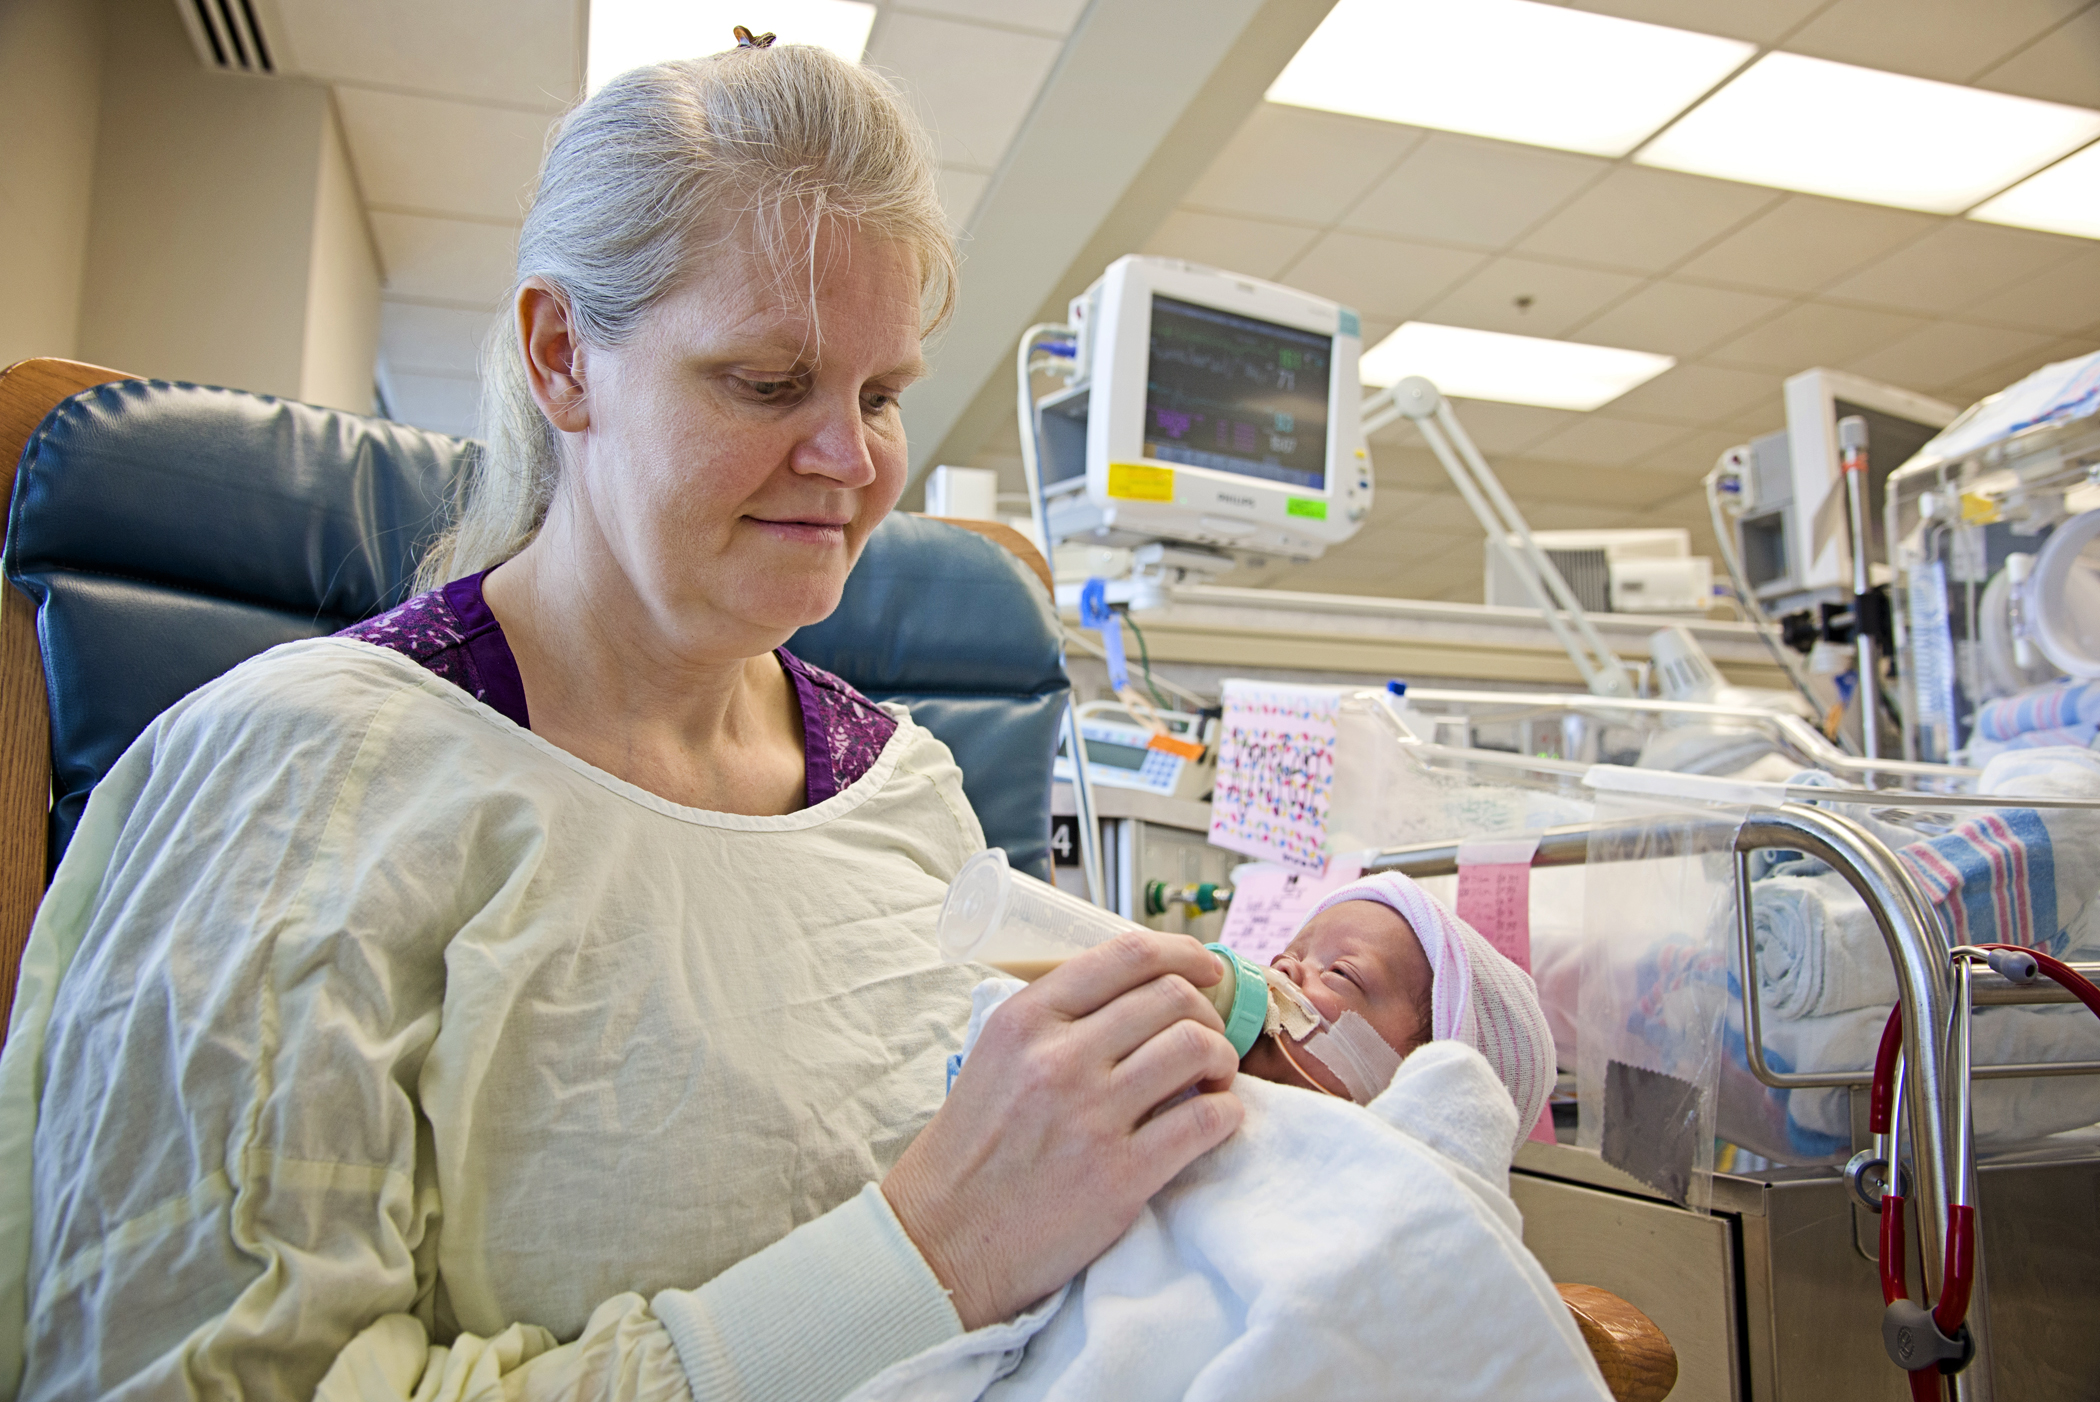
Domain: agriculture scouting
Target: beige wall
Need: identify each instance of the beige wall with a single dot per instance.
(342, 287)
(226, 244)
(50, 96)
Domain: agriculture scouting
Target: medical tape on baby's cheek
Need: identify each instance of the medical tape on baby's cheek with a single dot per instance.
(1358, 1056)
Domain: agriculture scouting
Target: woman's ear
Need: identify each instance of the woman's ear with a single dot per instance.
(553, 356)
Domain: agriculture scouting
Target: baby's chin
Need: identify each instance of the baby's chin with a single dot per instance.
(1265, 1061)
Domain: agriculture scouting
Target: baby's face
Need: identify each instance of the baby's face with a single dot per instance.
(1360, 957)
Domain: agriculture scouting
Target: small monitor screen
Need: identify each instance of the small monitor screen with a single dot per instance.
(1237, 395)
(1116, 756)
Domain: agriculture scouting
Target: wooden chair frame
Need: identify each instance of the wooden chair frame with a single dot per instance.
(29, 390)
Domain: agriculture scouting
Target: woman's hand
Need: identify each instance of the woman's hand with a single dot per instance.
(1048, 1146)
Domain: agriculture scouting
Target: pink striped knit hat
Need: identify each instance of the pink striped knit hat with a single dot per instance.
(1477, 996)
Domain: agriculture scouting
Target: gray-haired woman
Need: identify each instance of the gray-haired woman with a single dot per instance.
(532, 991)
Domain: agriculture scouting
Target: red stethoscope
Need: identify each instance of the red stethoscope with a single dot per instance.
(1929, 1343)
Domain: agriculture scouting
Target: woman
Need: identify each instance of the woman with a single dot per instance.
(551, 959)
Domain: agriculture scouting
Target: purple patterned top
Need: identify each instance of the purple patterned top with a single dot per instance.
(452, 632)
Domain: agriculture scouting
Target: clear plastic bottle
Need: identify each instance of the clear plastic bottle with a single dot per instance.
(1024, 927)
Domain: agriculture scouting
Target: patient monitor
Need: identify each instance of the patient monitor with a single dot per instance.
(1205, 410)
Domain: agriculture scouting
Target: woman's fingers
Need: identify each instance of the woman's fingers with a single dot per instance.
(1090, 981)
(1170, 1061)
(1184, 1131)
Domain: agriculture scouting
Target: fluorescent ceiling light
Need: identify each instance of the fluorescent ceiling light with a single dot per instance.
(2064, 199)
(1859, 134)
(629, 33)
(1469, 364)
(1510, 69)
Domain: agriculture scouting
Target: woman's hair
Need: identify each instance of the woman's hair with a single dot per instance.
(663, 167)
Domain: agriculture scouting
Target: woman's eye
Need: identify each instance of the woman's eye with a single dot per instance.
(769, 389)
(876, 403)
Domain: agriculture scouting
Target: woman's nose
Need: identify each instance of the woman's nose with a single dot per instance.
(836, 446)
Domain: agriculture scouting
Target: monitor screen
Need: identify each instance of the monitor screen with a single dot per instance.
(1237, 395)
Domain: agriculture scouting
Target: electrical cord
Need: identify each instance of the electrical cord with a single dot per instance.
(1145, 661)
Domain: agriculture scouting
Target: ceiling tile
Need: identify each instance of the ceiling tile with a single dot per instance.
(1251, 246)
(453, 260)
(1696, 394)
(524, 52)
(1945, 39)
(1768, 415)
(1050, 16)
(1678, 318)
(1384, 276)
(1691, 458)
(1402, 463)
(1762, 21)
(1574, 516)
(1605, 442)
(429, 156)
(970, 84)
(2063, 300)
(440, 403)
(960, 191)
(1946, 353)
(1803, 242)
(2060, 67)
(1463, 189)
(1533, 479)
(1646, 220)
(1295, 163)
(444, 339)
(1957, 263)
(1554, 297)
(1809, 334)
(1494, 427)
(1440, 513)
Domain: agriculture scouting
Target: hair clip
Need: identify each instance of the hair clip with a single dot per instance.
(745, 39)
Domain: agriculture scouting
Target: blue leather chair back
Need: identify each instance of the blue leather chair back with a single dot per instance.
(167, 532)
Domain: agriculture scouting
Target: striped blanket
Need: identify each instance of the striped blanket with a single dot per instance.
(1994, 880)
(2071, 708)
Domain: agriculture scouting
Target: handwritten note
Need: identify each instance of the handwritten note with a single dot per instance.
(1275, 772)
(1269, 903)
(1494, 897)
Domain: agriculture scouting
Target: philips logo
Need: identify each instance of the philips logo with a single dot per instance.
(1228, 499)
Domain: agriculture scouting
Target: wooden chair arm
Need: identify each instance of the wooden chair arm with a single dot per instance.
(1637, 1361)
(29, 389)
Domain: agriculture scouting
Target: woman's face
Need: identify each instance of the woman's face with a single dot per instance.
(739, 448)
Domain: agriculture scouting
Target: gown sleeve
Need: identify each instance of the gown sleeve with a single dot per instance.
(215, 1178)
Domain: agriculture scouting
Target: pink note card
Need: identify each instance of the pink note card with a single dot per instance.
(1494, 894)
(1269, 903)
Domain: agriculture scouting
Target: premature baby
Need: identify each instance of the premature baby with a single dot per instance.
(1381, 968)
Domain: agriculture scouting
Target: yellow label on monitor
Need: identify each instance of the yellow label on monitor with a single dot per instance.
(1306, 506)
(1978, 510)
(1136, 481)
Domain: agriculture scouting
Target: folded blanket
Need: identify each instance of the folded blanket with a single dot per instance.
(1326, 1250)
(1818, 949)
(2056, 706)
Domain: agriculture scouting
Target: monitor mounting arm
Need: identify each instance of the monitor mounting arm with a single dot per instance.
(1417, 399)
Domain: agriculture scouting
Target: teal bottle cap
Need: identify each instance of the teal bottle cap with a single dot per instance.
(1250, 1001)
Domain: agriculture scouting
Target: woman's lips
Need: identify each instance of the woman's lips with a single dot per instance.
(804, 532)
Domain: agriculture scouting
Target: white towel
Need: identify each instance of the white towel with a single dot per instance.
(1326, 1250)
(1818, 949)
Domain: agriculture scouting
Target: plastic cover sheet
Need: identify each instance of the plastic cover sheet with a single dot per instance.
(1386, 796)
(1659, 922)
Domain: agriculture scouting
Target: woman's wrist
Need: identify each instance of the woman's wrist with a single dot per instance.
(954, 1251)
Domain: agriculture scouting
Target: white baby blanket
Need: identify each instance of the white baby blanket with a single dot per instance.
(1326, 1250)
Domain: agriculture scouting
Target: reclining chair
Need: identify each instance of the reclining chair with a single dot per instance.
(160, 534)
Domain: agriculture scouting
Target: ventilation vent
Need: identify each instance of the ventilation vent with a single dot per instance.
(227, 35)
(1588, 573)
